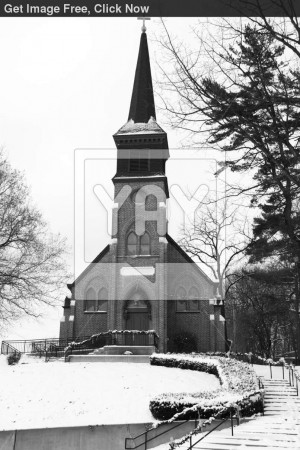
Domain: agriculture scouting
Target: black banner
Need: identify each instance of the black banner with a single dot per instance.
(151, 8)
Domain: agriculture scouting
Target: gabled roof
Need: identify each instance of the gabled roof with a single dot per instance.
(142, 106)
(188, 258)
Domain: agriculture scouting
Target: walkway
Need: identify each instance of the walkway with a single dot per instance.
(278, 429)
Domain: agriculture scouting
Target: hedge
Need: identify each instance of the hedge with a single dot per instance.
(239, 389)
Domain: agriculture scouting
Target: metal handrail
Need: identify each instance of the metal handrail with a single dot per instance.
(213, 429)
(27, 345)
(146, 440)
(260, 382)
(293, 377)
(42, 347)
(8, 346)
(114, 335)
(145, 433)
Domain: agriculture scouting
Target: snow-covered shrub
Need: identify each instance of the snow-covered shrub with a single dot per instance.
(127, 353)
(238, 381)
(13, 358)
(246, 357)
(191, 362)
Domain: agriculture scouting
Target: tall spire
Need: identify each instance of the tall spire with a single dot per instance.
(142, 106)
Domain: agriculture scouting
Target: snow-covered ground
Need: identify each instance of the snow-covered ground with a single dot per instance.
(57, 394)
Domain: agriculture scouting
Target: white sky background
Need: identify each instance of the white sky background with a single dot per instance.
(66, 83)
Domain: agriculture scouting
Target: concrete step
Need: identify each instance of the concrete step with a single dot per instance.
(98, 351)
(109, 358)
(251, 440)
(231, 446)
(281, 395)
(280, 439)
(283, 406)
(273, 431)
(134, 349)
(277, 383)
(279, 388)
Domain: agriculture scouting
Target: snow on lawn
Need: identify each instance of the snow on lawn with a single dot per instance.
(57, 394)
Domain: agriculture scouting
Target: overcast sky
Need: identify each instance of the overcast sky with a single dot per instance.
(66, 84)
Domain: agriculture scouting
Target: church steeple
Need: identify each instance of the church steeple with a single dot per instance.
(142, 115)
(142, 106)
(142, 144)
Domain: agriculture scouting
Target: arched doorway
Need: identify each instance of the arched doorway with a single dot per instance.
(137, 318)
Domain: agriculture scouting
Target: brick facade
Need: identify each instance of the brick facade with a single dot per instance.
(172, 271)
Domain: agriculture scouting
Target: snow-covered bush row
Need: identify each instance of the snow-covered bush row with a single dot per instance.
(247, 357)
(239, 388)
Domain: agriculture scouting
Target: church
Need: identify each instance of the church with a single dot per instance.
(143, 280)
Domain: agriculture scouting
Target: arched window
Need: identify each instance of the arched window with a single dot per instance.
(188, 303)
(102, 300)
(181, 299)
(132, 242)
(151, 203)
(90, 300)
(138, 245)
(194, 303)
(145, 244)
(93, 302)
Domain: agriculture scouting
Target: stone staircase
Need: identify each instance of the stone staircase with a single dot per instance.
(122, 349)
(116, 353)
(278, 429)
(144, 359)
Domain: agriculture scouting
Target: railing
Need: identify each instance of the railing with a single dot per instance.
(144, 437)
(40, 347)
(293, 374)
(294, 377)
(8, 349)
(192, 445)
(250, 358)
(55, 347)
(260, 382)
(114, 337)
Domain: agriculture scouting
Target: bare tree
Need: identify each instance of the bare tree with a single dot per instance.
(217, 238)
(32, 265)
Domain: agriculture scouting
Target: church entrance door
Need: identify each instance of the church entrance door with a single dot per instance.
(137, 319)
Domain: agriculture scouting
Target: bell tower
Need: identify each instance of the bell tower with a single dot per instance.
(141, 133)
(142, 150)
(139, 217)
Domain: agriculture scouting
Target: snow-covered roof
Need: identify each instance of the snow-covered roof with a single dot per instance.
(151, 127)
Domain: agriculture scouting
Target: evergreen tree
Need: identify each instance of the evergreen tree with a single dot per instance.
(250, 108)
